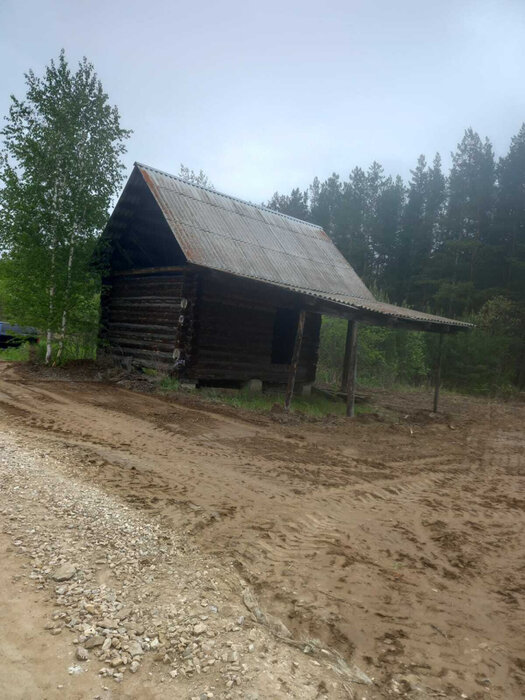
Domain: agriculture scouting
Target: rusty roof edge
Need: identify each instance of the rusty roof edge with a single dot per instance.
(227, 196)
(358, 303)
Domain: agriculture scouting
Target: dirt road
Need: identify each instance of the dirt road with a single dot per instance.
(395, 543)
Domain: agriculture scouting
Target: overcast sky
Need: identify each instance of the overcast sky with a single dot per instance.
(265, 95)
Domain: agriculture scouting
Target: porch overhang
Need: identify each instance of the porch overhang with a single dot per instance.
(366, 311)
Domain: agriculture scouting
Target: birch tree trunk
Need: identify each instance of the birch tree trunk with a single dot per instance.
(63, 326)
(52, 282)
(51, 308)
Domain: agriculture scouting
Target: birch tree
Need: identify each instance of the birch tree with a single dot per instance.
(60, 168)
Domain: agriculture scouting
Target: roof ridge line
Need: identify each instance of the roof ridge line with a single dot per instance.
(228, 196)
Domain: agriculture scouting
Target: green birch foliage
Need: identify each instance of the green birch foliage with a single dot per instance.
(60, 169)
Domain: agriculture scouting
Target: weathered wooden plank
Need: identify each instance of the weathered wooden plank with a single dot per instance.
(117, 336)
(145, 301)
(140, 320)
(155, 308)
(437, 375)
(150, 270)
(141, 328)
(145, 290)
(351, 367)
(295, 360)
(144, 281)
(121, 296)
(147, 345)
(136, 352)
(346, 359)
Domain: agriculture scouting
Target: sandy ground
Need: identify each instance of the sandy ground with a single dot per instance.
(396, 542)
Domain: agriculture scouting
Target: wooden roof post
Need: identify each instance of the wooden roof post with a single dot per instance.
(348, 344)
(350, 367)
(295, 360)
(437, 375)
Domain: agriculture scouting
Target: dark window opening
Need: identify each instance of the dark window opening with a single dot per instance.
(284, 330)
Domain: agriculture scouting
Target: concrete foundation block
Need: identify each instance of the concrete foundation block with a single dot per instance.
(253, 385)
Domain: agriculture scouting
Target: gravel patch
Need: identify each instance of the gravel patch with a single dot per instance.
(136, 598)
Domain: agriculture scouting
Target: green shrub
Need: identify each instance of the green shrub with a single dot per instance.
(484, 360)
(384, 356)
(169, 384)
(16, 354)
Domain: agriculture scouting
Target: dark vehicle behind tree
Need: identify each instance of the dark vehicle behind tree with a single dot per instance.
(12, 335)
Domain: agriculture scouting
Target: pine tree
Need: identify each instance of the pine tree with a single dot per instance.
(421, 221)
(511, 217)
(404, 264)
(355, 216)
(386, 232)
(468, 222)
(325, 206)
(295, 204)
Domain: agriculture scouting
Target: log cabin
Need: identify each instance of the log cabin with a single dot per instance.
(218, 291)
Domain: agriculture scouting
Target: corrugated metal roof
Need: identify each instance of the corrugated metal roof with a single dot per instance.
(228, 234)
(224, 233)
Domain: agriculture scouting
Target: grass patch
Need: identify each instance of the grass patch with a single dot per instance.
(76, 348)
(169, 384)
(314, 405)
(72, 350)
(149, 371)
(18, 353)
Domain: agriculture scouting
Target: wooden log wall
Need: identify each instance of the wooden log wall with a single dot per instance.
(200, 326)
(144, 319)
(232, 332)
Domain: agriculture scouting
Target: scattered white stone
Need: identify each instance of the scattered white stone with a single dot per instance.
(96, 641)
(116, 622)
(82, 654)
(135, 648)
(107, 623)
(65, 572)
